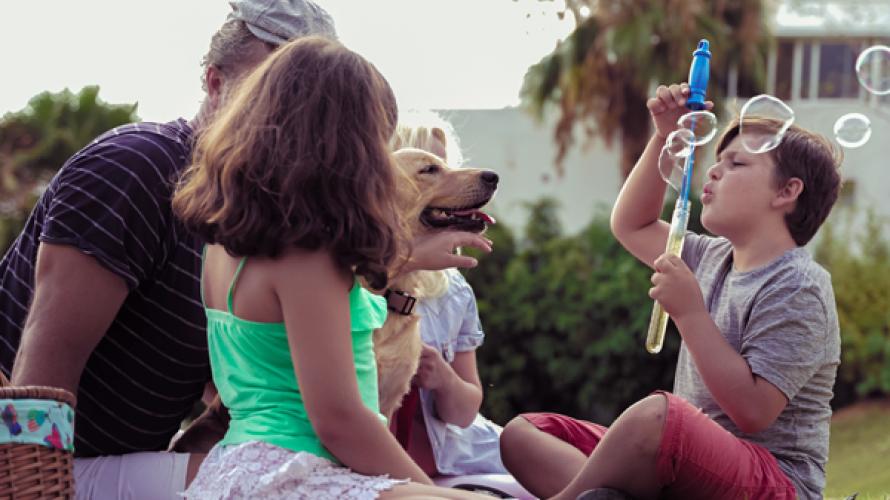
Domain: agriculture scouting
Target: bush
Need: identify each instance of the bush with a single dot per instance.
(565, 320)
(859, 262)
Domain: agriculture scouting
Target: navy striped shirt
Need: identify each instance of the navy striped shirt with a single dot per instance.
(111, 200)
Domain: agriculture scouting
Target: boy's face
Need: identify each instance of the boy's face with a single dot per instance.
(739, 193)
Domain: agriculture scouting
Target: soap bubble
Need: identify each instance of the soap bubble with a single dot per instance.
(852, 130)
(671, 168)
(674, 155)
(679, 142)
(702, 124)
(769, 107)
(873, 69)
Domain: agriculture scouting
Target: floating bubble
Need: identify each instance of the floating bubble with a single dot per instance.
(702, 124)
(673, 157)
(671, 168)
(873, 69)
(679, 142)
(674, 154)
(754, 139)
(852, 130)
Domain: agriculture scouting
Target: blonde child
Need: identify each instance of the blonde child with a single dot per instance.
(440, 424)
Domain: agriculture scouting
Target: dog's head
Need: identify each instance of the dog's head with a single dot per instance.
(444, 198)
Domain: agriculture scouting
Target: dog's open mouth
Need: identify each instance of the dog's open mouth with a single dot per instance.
(458, 219)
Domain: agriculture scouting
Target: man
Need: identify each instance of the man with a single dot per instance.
(100, 293)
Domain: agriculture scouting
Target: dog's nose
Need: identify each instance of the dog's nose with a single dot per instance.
(489, 177)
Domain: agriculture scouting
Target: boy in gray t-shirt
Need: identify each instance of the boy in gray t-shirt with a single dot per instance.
(781, 318)
(750, 412)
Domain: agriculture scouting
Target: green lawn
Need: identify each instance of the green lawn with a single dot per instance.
(859, 459)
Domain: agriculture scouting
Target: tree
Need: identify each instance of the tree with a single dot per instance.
(36, 141)
(602, 74)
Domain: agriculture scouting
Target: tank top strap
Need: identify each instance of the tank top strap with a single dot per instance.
(201, 281)
(232, 285)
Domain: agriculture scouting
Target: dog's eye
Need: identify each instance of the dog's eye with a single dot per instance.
(430, 169)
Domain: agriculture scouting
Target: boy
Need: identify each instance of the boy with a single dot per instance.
(749, 415)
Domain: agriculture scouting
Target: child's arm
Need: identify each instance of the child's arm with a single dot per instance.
(435, 251)
(315, 305)
(636, 217)
(458, 391)
(749, 400)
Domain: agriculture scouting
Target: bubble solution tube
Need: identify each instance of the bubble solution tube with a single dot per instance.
(698, 84)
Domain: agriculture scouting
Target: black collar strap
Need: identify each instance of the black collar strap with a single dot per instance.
(399, 302)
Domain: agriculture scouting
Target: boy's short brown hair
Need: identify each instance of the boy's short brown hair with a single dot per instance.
(807, 156)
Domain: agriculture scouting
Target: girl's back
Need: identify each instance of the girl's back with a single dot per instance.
(251, 358)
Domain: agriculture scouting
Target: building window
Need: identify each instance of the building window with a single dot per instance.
(747, 85)
(784, 68)
(837, 69)
(877, 99)
(806, 70)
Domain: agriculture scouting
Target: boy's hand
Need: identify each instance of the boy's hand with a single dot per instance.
(676, 288)
(668, 105)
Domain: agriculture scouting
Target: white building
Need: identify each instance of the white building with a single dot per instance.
(811, 68)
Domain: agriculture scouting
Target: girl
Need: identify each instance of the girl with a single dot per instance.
(292, 187)
(439, 423)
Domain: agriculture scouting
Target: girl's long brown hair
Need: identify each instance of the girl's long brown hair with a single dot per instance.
(299, 156)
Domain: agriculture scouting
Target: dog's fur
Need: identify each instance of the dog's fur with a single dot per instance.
(434, 197)
(431, 196)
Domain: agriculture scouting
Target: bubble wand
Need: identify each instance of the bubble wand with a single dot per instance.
(698, 84)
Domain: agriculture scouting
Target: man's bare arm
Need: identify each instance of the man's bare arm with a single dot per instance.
(75, 301)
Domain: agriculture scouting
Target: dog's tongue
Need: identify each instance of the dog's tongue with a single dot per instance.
(478, 213)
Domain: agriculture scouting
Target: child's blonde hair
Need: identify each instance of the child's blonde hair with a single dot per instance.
(422, 129)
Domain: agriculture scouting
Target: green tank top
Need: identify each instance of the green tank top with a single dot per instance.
(253, 371)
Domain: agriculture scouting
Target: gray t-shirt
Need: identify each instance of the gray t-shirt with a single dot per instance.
(782, 319)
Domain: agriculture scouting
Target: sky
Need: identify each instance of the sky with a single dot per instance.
(436, 54)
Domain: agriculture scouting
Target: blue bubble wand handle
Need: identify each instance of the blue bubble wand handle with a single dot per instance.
(698, 84)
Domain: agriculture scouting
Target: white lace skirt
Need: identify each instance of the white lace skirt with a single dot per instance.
(261, 470)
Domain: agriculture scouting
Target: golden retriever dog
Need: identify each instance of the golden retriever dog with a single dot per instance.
(433, 197)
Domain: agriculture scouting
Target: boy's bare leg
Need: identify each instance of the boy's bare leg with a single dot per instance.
(542, 463)
(626, 457)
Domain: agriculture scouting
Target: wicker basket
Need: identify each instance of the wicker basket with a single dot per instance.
(31, 471)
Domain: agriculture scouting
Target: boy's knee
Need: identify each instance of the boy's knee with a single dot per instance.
(647, 417)
(651, 411)
(515, 435)
(655, 406)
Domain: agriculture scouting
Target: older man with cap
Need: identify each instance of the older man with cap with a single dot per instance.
(100, 294)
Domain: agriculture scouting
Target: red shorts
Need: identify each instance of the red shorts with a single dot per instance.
(697, 458)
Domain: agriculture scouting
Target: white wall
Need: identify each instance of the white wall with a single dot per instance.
(522, 152)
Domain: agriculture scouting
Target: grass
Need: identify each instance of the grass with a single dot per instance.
(859, 457)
